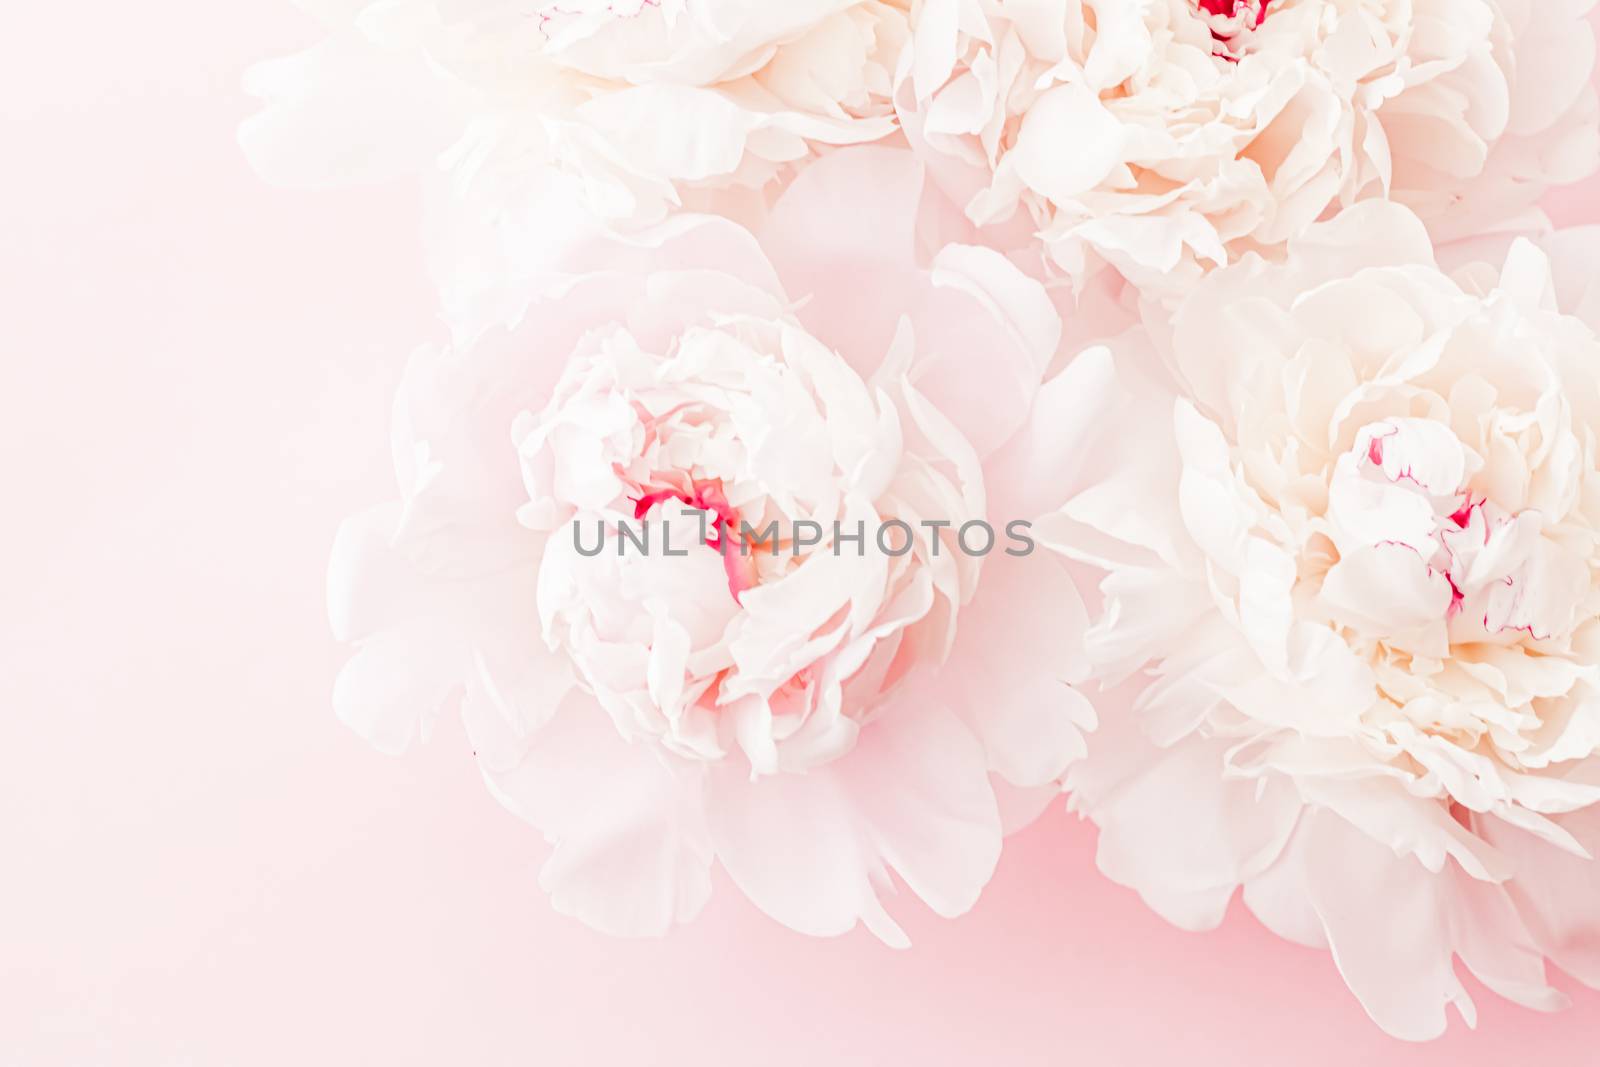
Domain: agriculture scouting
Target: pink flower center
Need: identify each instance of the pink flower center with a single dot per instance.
(1232, 9)
(1228, 17)
(722, 532)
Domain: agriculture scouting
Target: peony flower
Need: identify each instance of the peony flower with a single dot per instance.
(702, 541)
(1169, 137)
(1350, 587)
(523, 106)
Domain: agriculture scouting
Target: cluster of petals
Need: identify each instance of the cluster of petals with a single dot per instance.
(1168, 137)
(1350, 577)
(1244, 313)
(639, 106)
(813, 717)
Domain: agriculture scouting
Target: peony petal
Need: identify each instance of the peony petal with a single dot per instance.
(398, 681)
(349, 112)
(1555, 892)
(842, 238)
(810, 849)
(1032, 722)
(631, 854)
(1185, 838)
(1388, 928)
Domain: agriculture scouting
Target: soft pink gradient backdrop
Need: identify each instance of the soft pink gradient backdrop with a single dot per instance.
(199, 866)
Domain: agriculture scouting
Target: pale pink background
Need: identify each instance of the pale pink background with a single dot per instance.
(199, 866)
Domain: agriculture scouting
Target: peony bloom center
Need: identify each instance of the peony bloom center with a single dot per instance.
(698, 491)
(722, 533)
(1450, 565)
(1229, 19)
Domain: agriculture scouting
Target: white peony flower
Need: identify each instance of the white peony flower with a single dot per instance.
(525, 107)
(1167, 137)
(713, 571)
(1349, 524)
